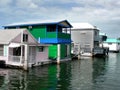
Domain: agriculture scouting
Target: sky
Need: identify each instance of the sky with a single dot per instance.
(105, 14)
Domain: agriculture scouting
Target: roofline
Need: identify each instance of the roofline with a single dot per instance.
(13, 37)
(67, 23)
(84, 29)
(36, 24)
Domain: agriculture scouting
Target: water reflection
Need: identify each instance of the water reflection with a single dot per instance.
(81, 74)
(49, 77)
(104, 74)
(99, 67)
(85, 74)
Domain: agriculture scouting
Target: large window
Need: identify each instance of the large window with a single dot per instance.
(17, 51)
(51, 28)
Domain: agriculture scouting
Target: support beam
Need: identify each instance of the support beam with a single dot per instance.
(21, 58)
(79, 51)
(58, 54)
(25, 66)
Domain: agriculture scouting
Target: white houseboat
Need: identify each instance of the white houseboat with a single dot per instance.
(113, 44)
(85, 37)
(19, 48)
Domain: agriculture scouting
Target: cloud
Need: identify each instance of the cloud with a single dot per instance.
(26, 4)
(5, 3)
(102, 13)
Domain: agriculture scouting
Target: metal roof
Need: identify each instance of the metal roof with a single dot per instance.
(83, 26)
(8, 35)
(63, 23)
(112, 40)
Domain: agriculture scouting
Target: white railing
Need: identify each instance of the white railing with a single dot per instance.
(18, 60)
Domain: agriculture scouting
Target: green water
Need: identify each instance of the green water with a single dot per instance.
(85, 74)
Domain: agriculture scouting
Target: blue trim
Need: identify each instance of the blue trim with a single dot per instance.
(56, 29)
(36, 24)
(45, 31)
(54, 41)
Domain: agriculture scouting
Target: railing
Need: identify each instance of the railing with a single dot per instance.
(58, 35)
(16, 60)
(64, 35)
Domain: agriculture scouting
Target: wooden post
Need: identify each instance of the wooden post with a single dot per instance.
(78, 51)
(58, 54)
(21, 58)
(25, 66)
(58, 72)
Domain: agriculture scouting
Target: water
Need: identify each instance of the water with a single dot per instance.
(85, 74)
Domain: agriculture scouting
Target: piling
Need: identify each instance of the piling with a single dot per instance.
(58, 54)
(25, 66)
(79, 52)
(78, 56)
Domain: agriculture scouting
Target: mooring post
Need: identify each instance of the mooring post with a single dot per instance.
(79, 52)
(58, 54)
(25, 66)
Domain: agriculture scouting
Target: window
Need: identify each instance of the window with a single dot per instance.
(17, 51)
(25, 37)
(41, 49)
(110, 43)
(51, 28)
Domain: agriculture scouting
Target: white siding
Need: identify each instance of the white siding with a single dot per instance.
(112, 46)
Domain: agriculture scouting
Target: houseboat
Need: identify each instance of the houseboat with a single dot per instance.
(113, 44)
(19, 48)
(85, 38)
(58, 34)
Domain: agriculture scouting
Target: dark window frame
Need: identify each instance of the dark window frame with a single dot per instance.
(41, 49)
(25, 37)
(51, 28)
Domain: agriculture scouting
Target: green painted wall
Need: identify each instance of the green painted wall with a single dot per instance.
(38, 31)
(51, 35)
(63, 51)
(53, 51)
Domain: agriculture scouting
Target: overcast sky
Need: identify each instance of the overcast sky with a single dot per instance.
(105, 14)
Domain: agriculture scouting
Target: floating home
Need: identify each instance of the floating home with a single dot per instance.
(113, 44)
(19, 48)
(58, 34)
(85, 39)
